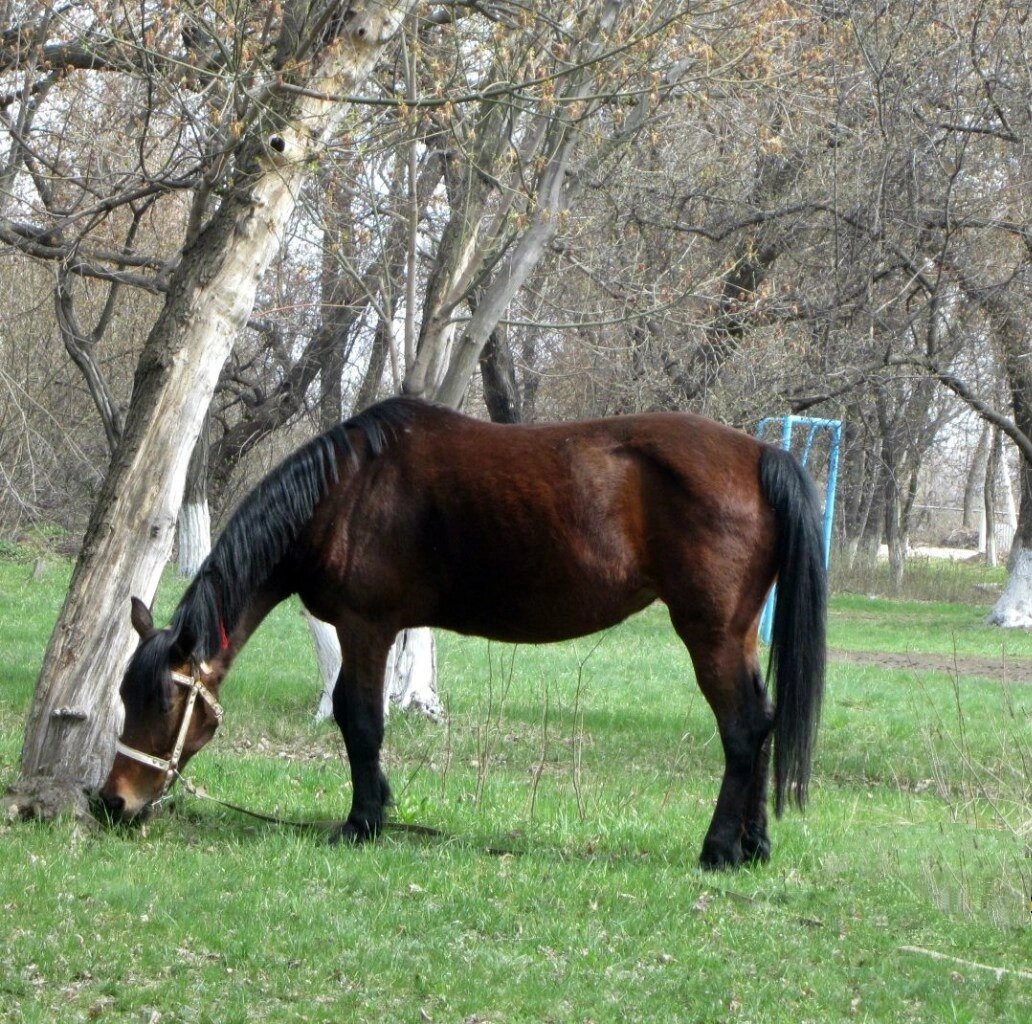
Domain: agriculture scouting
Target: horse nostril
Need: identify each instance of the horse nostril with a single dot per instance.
(113, 804)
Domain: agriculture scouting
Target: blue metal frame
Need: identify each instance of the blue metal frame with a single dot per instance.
(788, 424)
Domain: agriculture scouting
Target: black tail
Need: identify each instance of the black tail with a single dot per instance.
(797, 652)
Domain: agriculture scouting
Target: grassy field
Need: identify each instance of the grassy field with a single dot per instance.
(573, 785)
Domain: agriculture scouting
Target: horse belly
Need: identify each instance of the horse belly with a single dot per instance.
(542, 625)
(553, 596)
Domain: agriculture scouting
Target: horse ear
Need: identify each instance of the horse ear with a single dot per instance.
(140, 616)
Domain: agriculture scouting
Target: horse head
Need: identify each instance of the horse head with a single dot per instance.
(171, 709)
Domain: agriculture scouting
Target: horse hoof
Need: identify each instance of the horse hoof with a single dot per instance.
(354, 832)
(718, 857)
(755, 849)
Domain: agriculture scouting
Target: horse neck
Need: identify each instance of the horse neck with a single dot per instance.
(237, 634)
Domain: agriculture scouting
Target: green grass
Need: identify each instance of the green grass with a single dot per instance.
(590, 770)
(931, 627)
(925, 579)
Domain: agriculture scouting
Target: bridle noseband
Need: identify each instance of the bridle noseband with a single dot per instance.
(169, 766)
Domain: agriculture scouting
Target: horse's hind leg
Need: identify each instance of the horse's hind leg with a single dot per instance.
(738, 830)
(358, 711)
(755, 837)
(729, 677)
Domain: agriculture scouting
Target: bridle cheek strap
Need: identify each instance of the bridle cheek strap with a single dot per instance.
(169, 766)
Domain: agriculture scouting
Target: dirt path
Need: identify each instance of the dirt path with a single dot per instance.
(1018, 670)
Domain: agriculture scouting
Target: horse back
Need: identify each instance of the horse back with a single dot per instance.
(539, 532)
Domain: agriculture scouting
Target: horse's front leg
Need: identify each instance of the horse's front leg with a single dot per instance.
(358, 711)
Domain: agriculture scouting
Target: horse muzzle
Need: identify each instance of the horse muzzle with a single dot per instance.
(120, 806)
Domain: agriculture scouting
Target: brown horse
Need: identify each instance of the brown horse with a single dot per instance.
(411, 515)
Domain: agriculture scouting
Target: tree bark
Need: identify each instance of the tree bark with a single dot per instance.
(411, 677)
(348, 300)
(410, 680)
(327, 659)
(369, 389)
(193, 528)
(498, 374)
(81, 346)
(891, 501)
(1014, 608)
(976, 478)
(73, 721)
(992, 466)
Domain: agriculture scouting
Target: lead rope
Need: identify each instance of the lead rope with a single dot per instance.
(170, 767)
(322, 824)
(329, 824)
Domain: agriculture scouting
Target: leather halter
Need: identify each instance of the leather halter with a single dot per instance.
(169, 766)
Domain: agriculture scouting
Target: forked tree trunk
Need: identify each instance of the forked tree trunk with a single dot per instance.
(73, 721)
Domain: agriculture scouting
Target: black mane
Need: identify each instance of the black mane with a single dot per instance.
(254, 541)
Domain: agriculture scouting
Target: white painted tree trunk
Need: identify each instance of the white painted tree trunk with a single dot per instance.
(411, 677)
(410, 681)
(1014, 608)
(1010, 506)
(194, 536)
(327, 659)
(193, 528)
(73, 721)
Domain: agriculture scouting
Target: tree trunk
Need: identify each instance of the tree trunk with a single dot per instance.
(507, 280)
(328, 660)
(873, 520)
(81, 346)
(976, 478)
(894, 540)
(992, 465)
(73, 721)
(410, 680)
(1014, 608)
(1010, 331)
(193, 528)
(372, 380)
(498, 374)
(411, 677)
(857, 482)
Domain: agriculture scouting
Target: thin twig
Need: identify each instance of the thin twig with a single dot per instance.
(935, 955)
